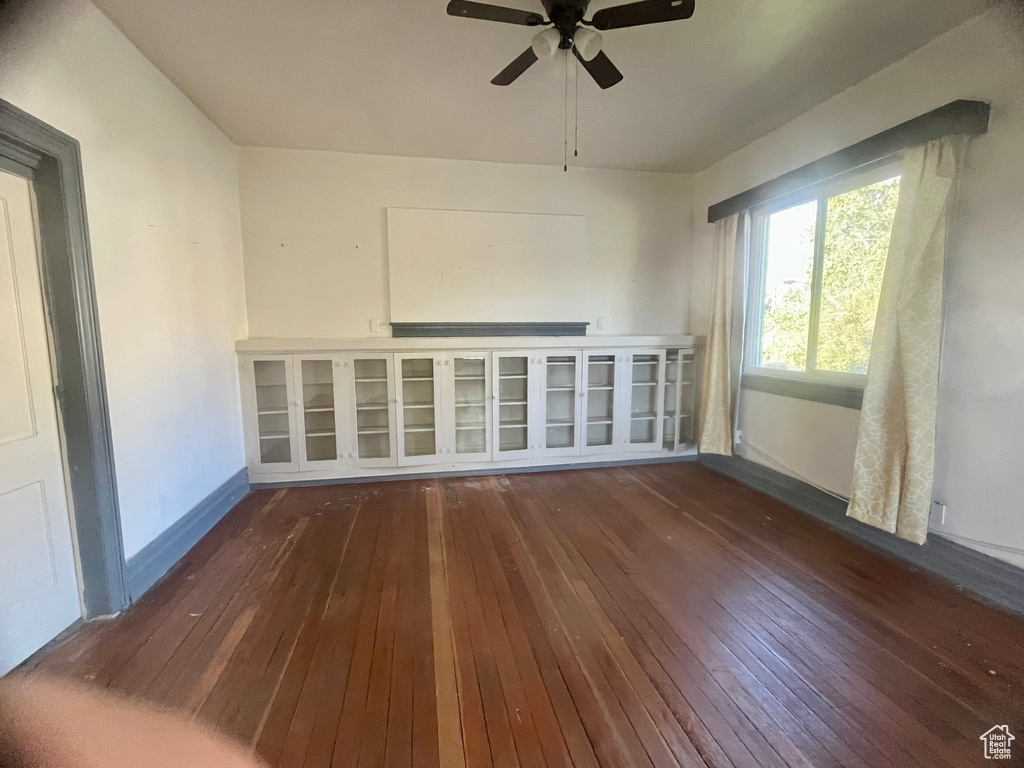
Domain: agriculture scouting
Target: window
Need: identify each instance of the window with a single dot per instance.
(817, 269)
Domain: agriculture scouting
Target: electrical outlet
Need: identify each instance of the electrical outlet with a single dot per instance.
(600, 323)
(375, 325)
(938, 514)
(739, 435)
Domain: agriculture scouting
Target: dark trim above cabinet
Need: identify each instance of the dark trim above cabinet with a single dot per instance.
(441, 330)
(969, 118)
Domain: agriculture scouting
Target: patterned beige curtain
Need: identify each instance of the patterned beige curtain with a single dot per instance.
(716, 408)
(892, 479)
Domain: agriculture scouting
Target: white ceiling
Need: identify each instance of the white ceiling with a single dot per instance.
(400, 77)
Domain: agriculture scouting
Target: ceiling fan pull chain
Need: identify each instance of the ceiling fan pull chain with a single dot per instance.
(565, 118)
(576, 107)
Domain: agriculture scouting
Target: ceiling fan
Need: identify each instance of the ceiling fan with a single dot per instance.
(568, 30)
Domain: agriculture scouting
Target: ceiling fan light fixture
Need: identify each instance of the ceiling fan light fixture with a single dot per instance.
(587, 42)
(545, 44)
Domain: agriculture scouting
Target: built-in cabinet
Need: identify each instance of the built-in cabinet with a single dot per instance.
(355, 413)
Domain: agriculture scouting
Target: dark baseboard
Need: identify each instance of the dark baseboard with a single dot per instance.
(991, 579)
(475, 472)
(145, 568)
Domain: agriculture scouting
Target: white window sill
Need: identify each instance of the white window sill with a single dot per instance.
(843, 393)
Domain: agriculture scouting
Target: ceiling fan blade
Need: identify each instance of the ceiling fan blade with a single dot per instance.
(523, 62)
(644, 12)
(600, 67)
(471, 10)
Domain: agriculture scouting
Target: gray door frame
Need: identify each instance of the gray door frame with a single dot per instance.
(52, 161)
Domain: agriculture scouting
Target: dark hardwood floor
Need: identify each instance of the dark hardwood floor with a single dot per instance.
(645, 616)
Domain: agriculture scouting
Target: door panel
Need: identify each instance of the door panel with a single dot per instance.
(320, 419)
(372, 411)
(561, 404)
(647, 400)
(38, 582)
(513, 397)
(275, 449)
(420, 426)
(600, 396)
(470, 406)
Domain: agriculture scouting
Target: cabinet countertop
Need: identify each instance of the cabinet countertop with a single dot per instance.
(390, 344)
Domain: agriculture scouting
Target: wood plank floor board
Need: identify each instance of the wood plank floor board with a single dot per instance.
(661, 616)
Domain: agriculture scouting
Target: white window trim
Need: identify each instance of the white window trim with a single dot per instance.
(876, 172)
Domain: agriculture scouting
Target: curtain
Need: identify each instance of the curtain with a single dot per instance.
(892, 479)
(715, 411)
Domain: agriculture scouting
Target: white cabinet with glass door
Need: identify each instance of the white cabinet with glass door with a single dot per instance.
(272, 435)
(419, 411)
(602, 404)
(372, 409)
(646, 380)
(322, 418)
(514, 393)
(466, 380)
(560, 404)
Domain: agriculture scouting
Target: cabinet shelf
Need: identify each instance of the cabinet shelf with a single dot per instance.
(467, 427)
(561, 422)
(645, 383)
(272, 412)
(372, 431)
(561, 389)
(319, 409)
(602, 388)
(512, 402)
(373, 380)
(417, 405)
(419, 429)
(599, 421)
(320, 433)
(371, 407)
(417, 378)
(512, 425)
(275, 436)
(469, 378)
(643, 416)
(474, 404)
(504, 376)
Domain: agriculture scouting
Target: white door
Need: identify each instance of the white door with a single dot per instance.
(512, 396)
(322, 413)
(469, 405)
(372, 408)
(560, 404)
(38, 581)
(421, 427)
(272, 408)
(646, 372)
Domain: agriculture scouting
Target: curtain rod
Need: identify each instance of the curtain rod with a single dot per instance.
(965, 117)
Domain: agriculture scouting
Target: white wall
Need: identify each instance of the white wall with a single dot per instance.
(161, 189)
(980, 450)
(315, 235)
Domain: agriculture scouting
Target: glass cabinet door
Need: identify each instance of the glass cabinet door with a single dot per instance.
(670, 416)
(418, 408)
(274, 426)
(373, 395)
(471, 405)
(600, 378)
(513, 398)
(561, 408)
(318, 417)
(689, 370)
(646, 400)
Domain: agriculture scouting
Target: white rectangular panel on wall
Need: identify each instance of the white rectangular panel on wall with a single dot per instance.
(479, 266)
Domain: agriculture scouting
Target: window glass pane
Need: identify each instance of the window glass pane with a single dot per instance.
(789, 261)
(857, 232)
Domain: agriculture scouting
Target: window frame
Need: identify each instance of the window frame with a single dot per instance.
(837, 387)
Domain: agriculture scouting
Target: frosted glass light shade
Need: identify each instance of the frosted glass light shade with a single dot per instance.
(588, 43)
(545, 43)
